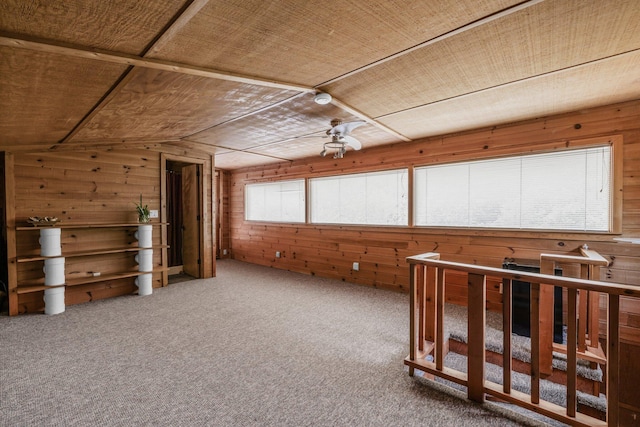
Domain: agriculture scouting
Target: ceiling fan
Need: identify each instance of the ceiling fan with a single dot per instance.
(340, 138)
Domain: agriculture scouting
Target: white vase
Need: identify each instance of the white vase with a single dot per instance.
(145, 236)
(144, 284)
(53, 271)
(144, 258)
(50, 242)
(54, 300)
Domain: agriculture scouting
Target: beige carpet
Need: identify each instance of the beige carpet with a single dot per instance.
(253, 347)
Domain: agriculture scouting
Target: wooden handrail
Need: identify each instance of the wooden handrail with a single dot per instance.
(567, 282)
(428, 271)
(592, 258)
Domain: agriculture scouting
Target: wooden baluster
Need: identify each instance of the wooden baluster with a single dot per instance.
(535, 343)
(613, 359)
(440, 319)
(506, 334)
(572, 345)
(594, 309)
(475, 330)
(421, 271)
(430, 301)
(412, 315)
(546, 320)
(582, 314)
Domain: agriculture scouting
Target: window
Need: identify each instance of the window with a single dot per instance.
(376, 198)
(282, 201)
(569, 190)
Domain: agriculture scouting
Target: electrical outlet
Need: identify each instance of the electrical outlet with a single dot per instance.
(278, 254)
(356, 266)
(153, 213)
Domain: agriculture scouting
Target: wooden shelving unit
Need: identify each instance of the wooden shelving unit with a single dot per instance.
(28, 286)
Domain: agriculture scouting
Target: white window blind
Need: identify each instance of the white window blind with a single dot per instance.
(569, 190)
(282, 201)
(376, 198)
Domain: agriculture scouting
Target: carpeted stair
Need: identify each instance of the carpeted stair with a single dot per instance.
(456, 330)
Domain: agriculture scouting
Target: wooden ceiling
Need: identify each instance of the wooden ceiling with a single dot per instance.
(237, 78)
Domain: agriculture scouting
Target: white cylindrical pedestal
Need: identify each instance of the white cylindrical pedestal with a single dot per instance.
(53, 271)
(145, 260)
(54, 300)
(144, 284)
(50, 242)
(145, 236)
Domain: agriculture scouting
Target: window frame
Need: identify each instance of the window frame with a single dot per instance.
(406, 169)
(615, 142)
(278, 182)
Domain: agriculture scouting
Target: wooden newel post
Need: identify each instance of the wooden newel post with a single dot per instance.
(412, 315)
(476, 324)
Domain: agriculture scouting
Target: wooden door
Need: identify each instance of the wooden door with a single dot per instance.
(191, 220)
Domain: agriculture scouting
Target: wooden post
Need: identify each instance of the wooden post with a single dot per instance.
(613, 360)
(412, 315)
(440, 319)
(475, 329)
(572, 347)
(535, 343)
(506, 335)
(164, 255)
(10, 213)
(419, 277)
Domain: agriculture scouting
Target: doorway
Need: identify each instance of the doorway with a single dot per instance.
(184, 214)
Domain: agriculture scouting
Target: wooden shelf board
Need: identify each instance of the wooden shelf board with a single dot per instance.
(88, 253)
(70, 225)
(102, 278)
(26, 288)
(34, 288)
(106, 277)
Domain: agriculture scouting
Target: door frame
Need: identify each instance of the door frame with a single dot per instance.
(203, 212)
(10, 230)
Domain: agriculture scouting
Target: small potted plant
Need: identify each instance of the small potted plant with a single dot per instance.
(143, 212)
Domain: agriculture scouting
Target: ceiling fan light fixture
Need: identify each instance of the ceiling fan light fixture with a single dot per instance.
(340, 138)
(322, 98)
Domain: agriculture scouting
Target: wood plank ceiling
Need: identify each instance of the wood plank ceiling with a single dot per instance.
(237, 78)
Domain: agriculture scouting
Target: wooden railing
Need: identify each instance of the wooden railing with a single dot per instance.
(427, 304)
(589, 263)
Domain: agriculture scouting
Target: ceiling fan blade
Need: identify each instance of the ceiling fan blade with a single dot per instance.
(352, 142)
(345, 128)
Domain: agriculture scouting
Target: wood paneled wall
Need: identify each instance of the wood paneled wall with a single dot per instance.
(329, 251)
(98, 185)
